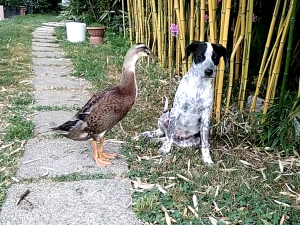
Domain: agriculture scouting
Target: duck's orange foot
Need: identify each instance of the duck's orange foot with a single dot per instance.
(101, 161)
(108, 155)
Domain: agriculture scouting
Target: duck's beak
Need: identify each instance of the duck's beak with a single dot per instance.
(154, 57)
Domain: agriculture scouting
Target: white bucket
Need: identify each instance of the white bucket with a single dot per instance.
(75, 31)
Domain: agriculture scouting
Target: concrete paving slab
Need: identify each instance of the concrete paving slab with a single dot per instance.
(51, 62)
(46, 29)
(52, 71)
(44, 49)
(54, 24)
(45, 120)
(86, 202)
(48, 54)
(57, 82)
(41, 44)
(45, 40)
(48, 33)
(39, 36)
(63, 98)
(55, 157)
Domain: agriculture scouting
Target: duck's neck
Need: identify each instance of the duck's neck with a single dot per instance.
(128, 80)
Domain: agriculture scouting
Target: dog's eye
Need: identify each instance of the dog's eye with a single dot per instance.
(201, 56)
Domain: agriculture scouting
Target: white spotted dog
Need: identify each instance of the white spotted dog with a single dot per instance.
(188, 121)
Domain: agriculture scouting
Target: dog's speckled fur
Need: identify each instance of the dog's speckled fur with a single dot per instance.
(189, 119)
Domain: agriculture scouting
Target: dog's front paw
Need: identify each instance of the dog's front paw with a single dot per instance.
(207, 161)
(164, 149)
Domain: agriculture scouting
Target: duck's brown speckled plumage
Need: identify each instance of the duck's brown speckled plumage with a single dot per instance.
(106, 108)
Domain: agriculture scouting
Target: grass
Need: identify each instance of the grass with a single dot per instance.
(248, 185)
(15, 96)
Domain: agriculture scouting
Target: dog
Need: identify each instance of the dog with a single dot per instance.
(188, 122)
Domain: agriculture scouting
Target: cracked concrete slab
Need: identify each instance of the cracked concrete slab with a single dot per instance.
(51, 62)
(63, 98)
(58, 82)
(84, 202)
(45, 120)
(55, 157)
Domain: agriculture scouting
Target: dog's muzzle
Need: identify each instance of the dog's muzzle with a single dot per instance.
(208, 72)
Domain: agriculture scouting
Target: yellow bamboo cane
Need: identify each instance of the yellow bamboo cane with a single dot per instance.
(181, 33)
(197, 30)
(223, 10)
(192, 28)
(211, 21)
(277, 62)
(267, 46)
(283, 13)
(141, 19)
(171, 39)
(164, 36)
(130, 22)
(136, 21)
(202, 21)
(222, 64)
(246, 54)
(236, 47)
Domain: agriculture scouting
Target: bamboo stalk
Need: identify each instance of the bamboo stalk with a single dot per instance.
(136, 23)
(214, 8)
(158, 31)
(141, 19)
(236, 47)
(171, 39)
(197, 15)
(202, 21)
(277, 62)
(181, 33)
(280, 25)
(211, 21)
(178, 56)
(246, 55)
(267, 46)
(288, 57)
(222, 20)
(164, 36)
(123, 18)
(130, 22)
(222, 63)
(192, 28)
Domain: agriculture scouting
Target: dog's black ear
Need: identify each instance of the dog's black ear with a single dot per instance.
(191, 48)
(220, 50)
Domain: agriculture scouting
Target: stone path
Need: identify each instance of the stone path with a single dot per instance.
(49, 161)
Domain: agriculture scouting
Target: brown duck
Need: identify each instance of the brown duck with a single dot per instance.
(106, 108)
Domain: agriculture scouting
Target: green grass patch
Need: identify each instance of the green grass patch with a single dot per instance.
(251, 191)
(15, 93)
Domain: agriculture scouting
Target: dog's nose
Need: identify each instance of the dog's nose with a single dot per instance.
(208, 72)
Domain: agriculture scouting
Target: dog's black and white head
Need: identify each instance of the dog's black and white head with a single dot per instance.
(206, 57)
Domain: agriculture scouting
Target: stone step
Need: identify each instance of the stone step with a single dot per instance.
(82, 202)
(52, 70)
(56, 157)
(62, 98)
(58, 82)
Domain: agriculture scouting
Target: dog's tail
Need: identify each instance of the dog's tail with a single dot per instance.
(166, 105)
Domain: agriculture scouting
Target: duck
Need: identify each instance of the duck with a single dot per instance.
(106, 108)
